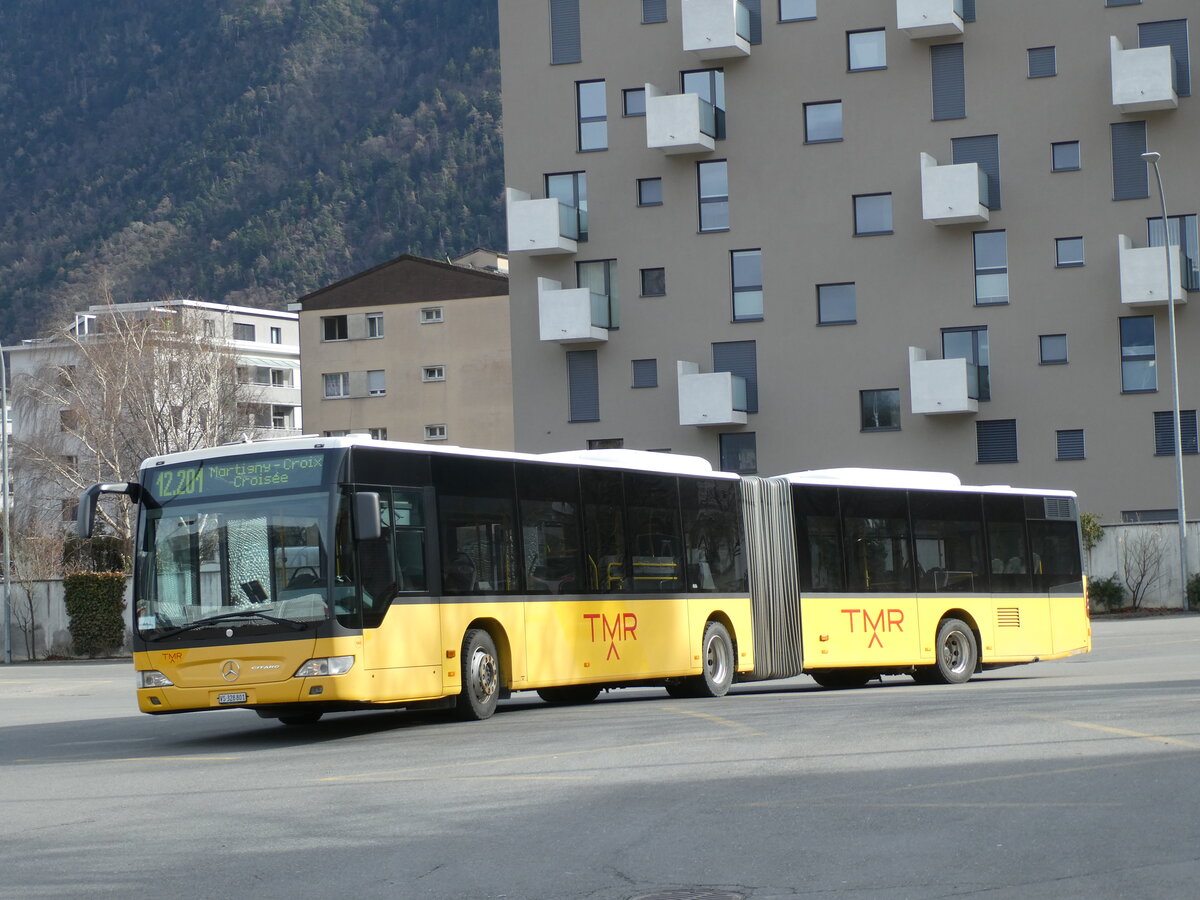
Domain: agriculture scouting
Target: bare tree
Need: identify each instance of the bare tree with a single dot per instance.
(117, 389)
(37, 558)
(1141, 560)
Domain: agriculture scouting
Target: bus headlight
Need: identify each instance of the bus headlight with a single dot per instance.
(328, 665)
(152, 678)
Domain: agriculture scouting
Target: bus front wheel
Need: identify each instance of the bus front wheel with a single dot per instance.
(480, 676)
(957, 652)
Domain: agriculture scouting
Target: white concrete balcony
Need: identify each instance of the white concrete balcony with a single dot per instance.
(540, 227)
(710, 398)
(1144, 274)
(716, 29)
(951, 195)
(1143, 78)
(942, 386)
(921, 19)
(571, 316)
(679, 124)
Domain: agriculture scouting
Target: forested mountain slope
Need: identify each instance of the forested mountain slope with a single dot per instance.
(242, 151)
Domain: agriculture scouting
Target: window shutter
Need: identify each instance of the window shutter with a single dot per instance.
(1042, 62)
(583, 386)
(1122, 2)
(1070, 446)
(985, 150)
(996, 440)
(949, 84)
(1131, 179)
(1173, 34)
(968, 10)
(564, 32)
(645, 373)
(740, 358)
(1164, 432)
(654, 11)
(754, 7)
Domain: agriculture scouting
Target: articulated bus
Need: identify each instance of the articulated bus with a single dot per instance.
(309, 575)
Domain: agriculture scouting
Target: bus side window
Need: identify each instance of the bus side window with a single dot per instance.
(408, 523)
(1007, 542)
(603, 531)
(654, 529)
(712, 530)
(948, 536)
(477, 516)
(818, 538)
(550, 528)
(1056, 563)
(876, 539)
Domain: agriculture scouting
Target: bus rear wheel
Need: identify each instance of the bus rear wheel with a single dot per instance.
(957, 652)
(572, 694)
(480, 676)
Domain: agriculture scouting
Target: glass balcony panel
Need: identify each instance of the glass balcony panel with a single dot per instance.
(958, 7)
(973, 374)
(708, 119)
(743, 21)
(601, 311)
(985, 196)
(739, 393)
(568, 221)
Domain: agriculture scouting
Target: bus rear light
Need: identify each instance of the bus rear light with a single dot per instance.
(152, 678)
(326, 665)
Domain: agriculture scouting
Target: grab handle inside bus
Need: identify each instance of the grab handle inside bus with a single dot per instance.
(366, 516)
(86, 519)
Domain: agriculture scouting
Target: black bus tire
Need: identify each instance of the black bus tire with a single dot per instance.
(957, 652)
(716, 656)
(480, 677)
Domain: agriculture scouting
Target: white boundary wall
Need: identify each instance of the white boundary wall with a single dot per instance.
(51, 633)
(1106, 558)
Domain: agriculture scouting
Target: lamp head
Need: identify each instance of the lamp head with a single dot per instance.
(1151, 156)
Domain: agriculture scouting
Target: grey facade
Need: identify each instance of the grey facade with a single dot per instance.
(859, 310)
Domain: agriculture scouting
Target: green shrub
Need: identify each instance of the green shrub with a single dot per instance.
(95, 603)
(1193, 592)
(1091, 530)
(1108, 593)
(102, 553)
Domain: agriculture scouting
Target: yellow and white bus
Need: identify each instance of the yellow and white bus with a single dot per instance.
(310, 575)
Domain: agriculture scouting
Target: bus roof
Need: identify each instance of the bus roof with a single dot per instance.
(908, 478)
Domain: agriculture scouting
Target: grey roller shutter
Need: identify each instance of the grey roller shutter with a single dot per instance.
(1042, 62)
(583, 385)
(754, 7)
(1070, 446)
(654, 11)
(996, 440)
(645, 373)
(968, 10)
(564, 32)
(740, 358)
(1123, 2)
(985, 150)
(1173, 34)
(949, 81)
(1131, 180)
(1164, 432)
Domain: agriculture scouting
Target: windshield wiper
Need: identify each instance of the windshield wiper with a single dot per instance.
(294, 624)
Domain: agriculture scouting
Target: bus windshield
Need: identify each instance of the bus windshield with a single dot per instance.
(264, 565)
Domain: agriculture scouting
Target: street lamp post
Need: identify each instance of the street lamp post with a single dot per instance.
(1153, 158)
(4, 496)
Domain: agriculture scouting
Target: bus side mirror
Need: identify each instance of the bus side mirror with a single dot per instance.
(366, 516)
(85, 521)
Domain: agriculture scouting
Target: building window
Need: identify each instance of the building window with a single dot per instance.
(333, 328)
(880, 410)
(435, 432)
(1131, 176)
(822, 122)
(281, 378)
(337, 384)
(949, 81)
(605, 443)
(376, 383)
(570, 189)
(649, 192)
(991, 268)
(593, 115)
(377, 434)
(431, 315)
(633, 102)
(739, 358)
(866, 50)
(1042, 62)
(1069, 443)
(996, 441)
(276, 334)
(337, 432)
(374, 325)
(654, 11)
(837, 304)
(70, 510)
(583, 386)
(1139, 371)
(1130, 3)
(984, 150)
(1064, 156)
(709, 84)
(433, 373)
(1068, 252)
(1133, 516)
(1164, 432)
(872, 214)
(600, 278)
(746, 275)
(970, 344)
(1052, 349)
(243, 331)
(564, 32)
(713, 178)
(1173, 34)
(1185, 227)
(645, 373)
(739, 452)
(797, 10)
(654, 282)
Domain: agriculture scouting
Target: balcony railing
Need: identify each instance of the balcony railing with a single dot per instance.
(953, 194)
(1143, 78)
(921, 19)
(541, 227)
(716, 29)
(679, 124)
(1144, 274)
(942, 386)
(710, 398)
(572, 315)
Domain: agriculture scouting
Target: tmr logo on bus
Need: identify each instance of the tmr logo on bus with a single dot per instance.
(622, 627)
(894, 621)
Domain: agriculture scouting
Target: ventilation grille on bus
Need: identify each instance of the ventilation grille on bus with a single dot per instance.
(1058, 507)
(774, 577)
(1008, 617)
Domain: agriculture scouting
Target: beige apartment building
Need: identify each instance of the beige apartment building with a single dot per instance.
(795, 234)
(411, 350)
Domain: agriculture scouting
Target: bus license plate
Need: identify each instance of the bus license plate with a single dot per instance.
(231, 698)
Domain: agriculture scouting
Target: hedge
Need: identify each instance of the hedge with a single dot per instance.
(95, 603)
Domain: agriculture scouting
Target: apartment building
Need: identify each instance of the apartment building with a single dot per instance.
(791, 234)
(412, 350)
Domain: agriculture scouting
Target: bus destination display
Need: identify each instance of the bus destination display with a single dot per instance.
(235, 475)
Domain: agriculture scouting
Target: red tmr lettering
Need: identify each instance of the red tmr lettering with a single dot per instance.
(629, 624)
(593, 617)
(850, 613)
(895, 619)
